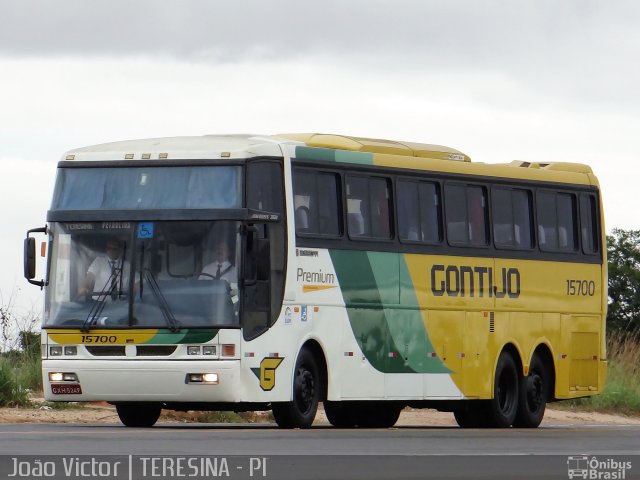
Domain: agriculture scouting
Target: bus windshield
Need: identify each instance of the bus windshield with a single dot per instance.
(170, 274)
(118, 188)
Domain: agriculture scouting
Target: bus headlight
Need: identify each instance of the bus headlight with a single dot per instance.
(71, 350)
(55, 351)
(204, 378)
(63, 377)
(193, 350)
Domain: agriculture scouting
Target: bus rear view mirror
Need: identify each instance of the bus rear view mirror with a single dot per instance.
(30, 257)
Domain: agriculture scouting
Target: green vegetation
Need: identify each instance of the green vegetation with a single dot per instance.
(12, 393)
(623, 255)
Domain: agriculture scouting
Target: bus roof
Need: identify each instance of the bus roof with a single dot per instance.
(184, 148)
(379, 152)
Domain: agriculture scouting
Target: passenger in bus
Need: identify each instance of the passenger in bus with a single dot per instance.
(108, 274)
(222, 267)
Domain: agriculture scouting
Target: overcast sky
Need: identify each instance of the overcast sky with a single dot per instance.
(536, 80)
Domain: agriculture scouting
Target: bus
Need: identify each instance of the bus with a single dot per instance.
(280, 272)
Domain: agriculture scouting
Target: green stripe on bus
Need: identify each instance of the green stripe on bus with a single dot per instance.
(409, 329)
(360, 158)
(184, 336)
(368, 322)
(329, 155)
(393, 339)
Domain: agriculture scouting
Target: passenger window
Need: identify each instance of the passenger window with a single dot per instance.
(466, 210)
(557, 221)
(368, 207)
(512, 218)
(419, 216)
(588, 224)
(316, 203)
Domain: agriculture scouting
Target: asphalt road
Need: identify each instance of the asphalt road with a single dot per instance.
(324, 452)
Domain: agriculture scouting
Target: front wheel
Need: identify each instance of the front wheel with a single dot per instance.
(301, 412)
(534, 392)
(140, 415)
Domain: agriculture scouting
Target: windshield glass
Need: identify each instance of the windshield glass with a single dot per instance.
(118, 188)
(143, 274)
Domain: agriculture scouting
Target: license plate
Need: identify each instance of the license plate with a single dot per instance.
(73, 389)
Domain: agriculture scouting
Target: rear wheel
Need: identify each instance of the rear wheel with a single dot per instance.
(472, 414)
(502, 408)
(339, 414)
(138, 414)
(534, 392)
(300, 412)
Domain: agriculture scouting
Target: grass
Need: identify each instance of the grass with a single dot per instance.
(12, 392)
(622, 392)
(20, 374)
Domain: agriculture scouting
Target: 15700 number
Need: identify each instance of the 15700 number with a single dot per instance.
(583, 288)
(99, 339)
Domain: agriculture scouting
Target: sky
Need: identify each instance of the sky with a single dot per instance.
(499, 80)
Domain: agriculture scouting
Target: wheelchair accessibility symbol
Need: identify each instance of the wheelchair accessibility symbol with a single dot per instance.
(145, 230)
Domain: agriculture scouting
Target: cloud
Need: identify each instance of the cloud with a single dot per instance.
(582, 51)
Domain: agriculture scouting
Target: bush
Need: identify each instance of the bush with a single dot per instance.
(12, 393)
(29, 373)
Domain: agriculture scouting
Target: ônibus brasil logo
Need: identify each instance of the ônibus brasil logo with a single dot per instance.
(591, 467)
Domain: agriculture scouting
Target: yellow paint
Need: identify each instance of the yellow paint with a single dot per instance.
(101, 337)
(268, 368)
(316, 288)
(458, 324)
(551, 173)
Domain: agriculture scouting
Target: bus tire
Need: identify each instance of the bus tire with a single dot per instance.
(339, 414)
(502, 408)
(534, 392)
(140, 415)
(377, 415)
(307, 388)
(471, 414)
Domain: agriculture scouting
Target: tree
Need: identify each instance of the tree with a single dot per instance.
(623, 250)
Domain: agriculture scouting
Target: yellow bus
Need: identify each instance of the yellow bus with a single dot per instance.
(277, 272)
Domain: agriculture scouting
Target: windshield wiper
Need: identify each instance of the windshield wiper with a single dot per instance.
(99, 303)
(169, 318)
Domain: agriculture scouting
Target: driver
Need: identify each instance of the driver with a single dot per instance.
(108, 273)
(221, 268)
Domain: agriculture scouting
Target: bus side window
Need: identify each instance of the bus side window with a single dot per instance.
(466, 210)
(512, 217)
(263, 301)
(316, 203)
(368, 211)
(588, 224)
(557, 221)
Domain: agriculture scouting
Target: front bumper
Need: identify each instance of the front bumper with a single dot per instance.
(145, 381)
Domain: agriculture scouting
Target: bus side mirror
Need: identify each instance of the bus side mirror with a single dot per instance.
(30, 257)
